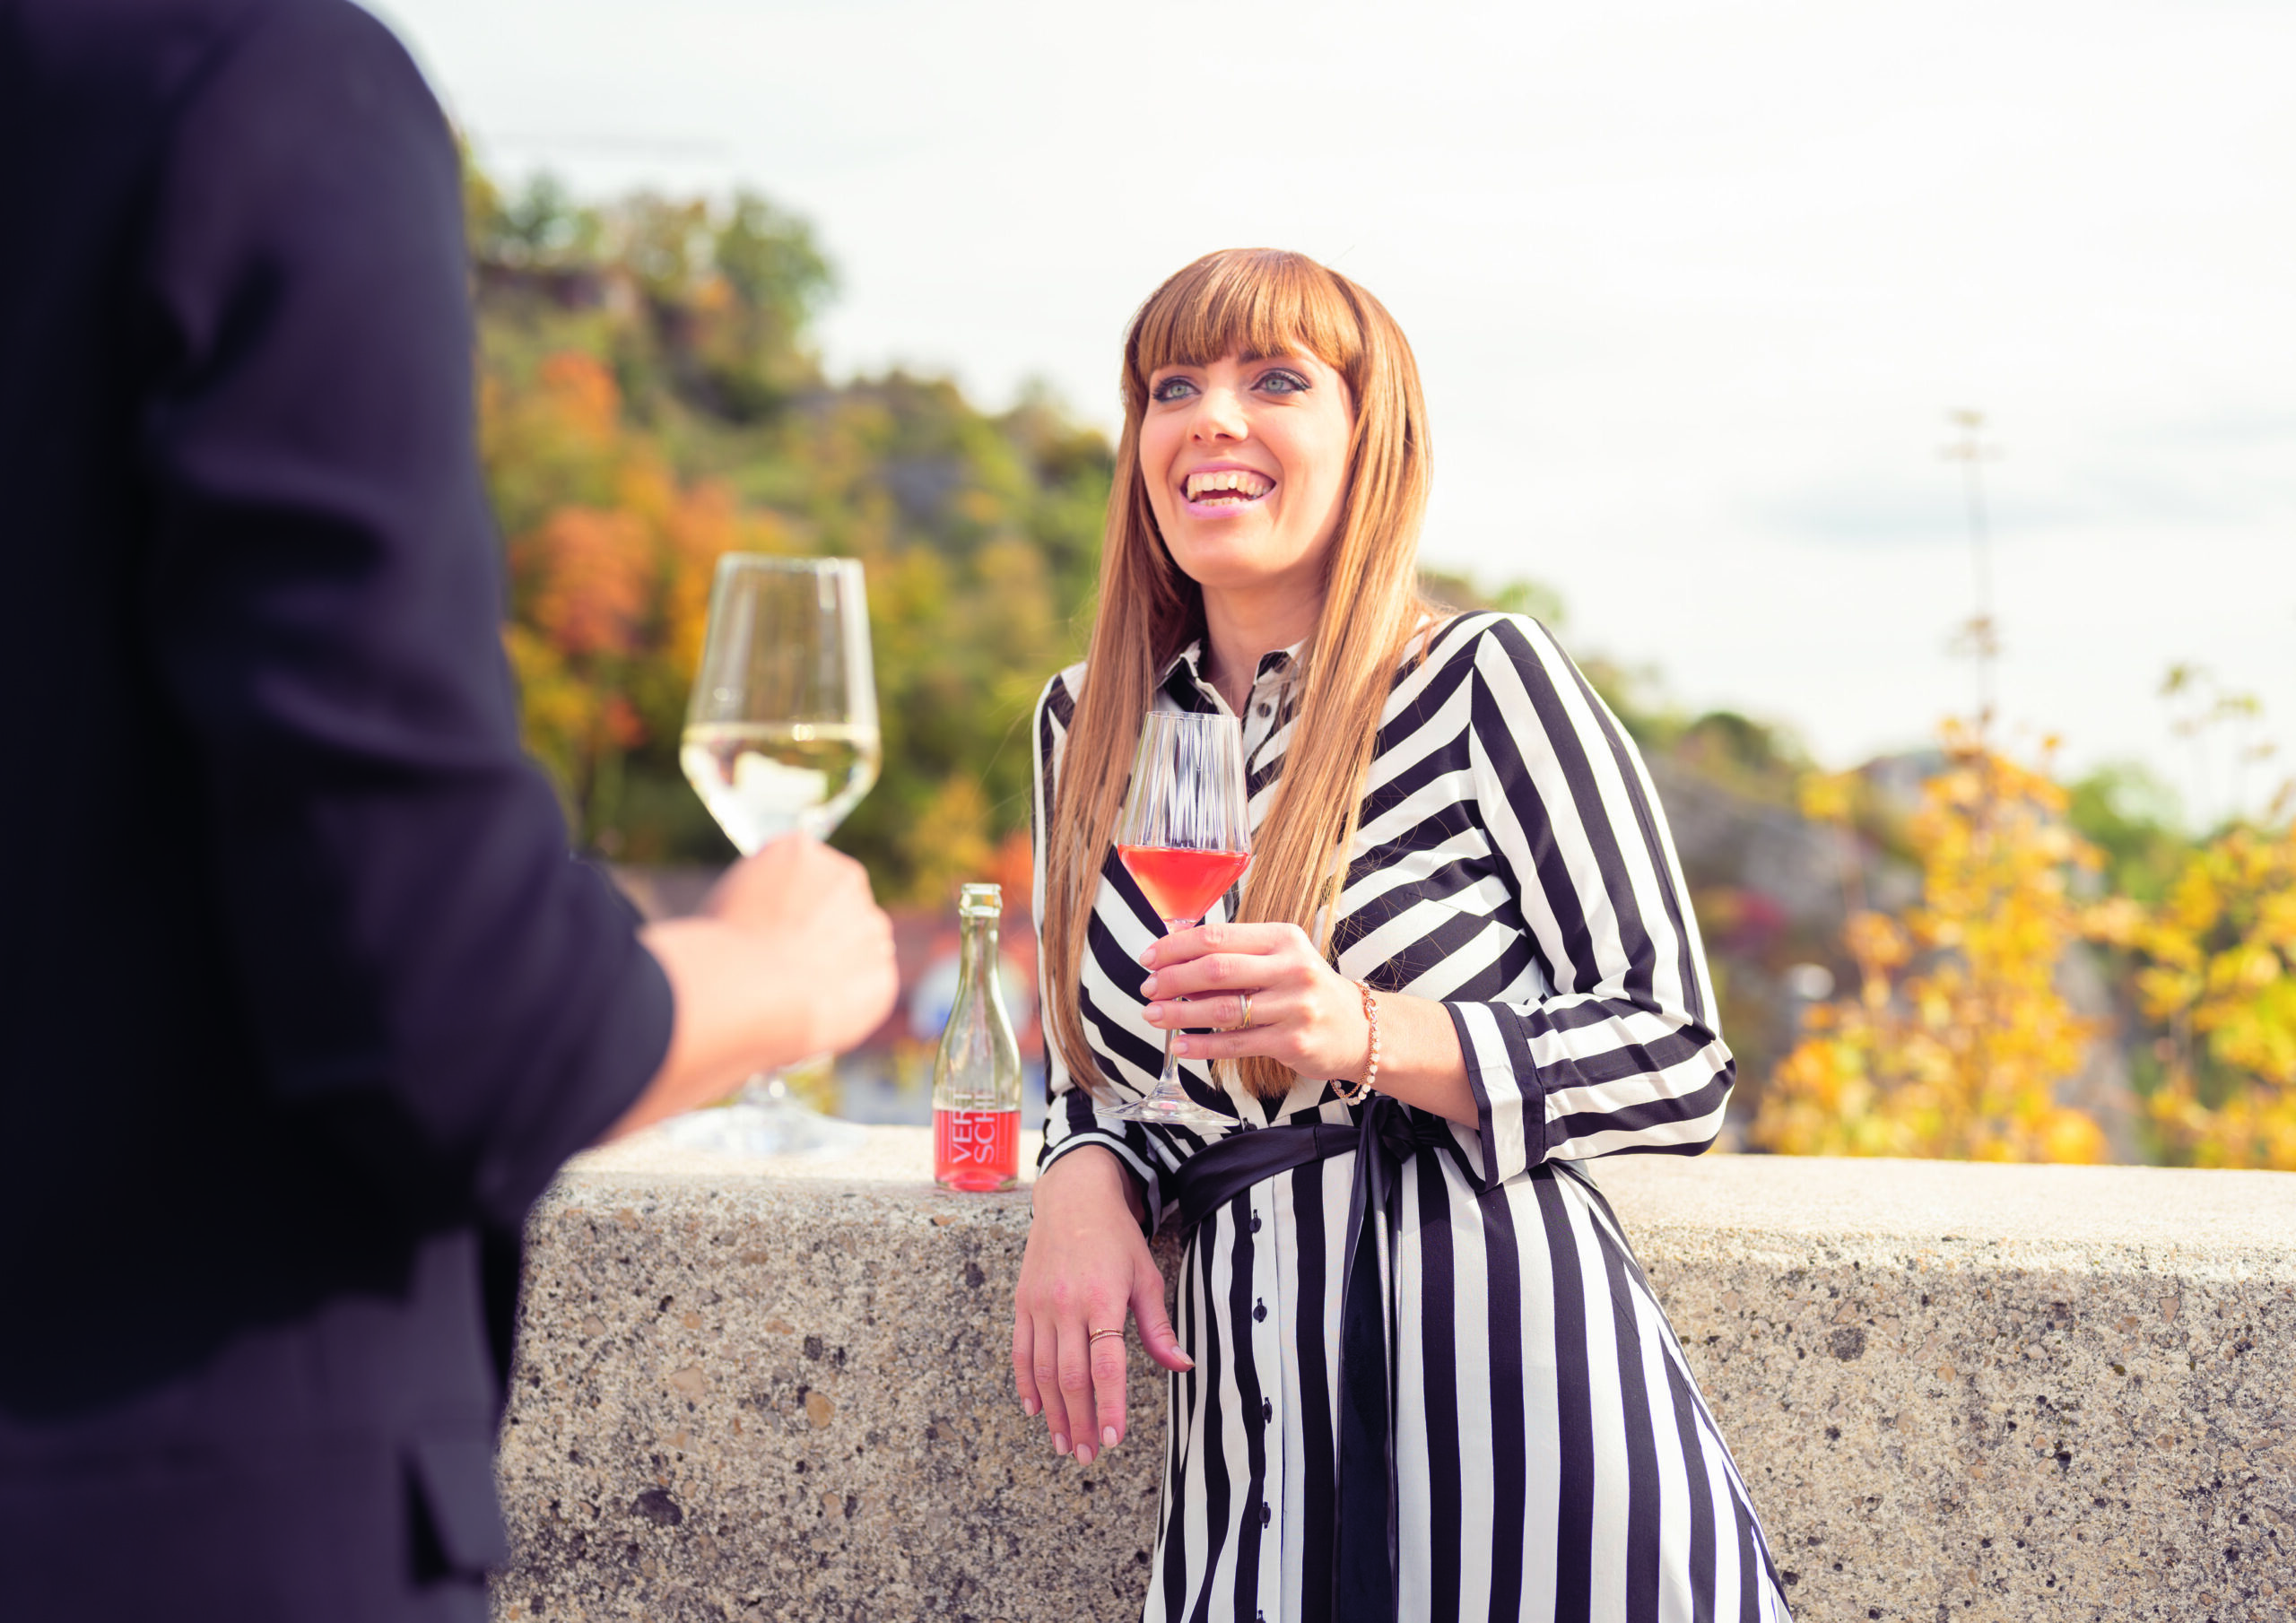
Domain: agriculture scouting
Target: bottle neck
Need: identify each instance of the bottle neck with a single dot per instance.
(976, 954)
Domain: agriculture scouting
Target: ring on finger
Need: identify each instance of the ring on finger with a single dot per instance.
(1243, 1012)
(1097, 1334)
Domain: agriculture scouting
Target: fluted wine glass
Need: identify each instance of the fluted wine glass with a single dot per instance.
(780, 738)
(1185, 837)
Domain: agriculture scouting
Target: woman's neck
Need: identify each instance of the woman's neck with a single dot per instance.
(1241, 627)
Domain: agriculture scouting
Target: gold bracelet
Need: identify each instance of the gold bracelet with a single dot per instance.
(1348, 1094)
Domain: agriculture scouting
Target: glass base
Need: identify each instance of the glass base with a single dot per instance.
(765, 1120)
(1181, 1112)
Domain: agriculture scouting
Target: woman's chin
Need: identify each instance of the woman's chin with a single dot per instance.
(1232, 557)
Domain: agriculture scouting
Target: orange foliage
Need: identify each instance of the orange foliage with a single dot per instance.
(610, 580)
(1015, 868)
(583, 392)
(590, 573)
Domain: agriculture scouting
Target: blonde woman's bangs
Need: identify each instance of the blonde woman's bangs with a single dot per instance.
(1254, 303)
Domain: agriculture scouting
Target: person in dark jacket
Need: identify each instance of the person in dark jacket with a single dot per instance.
(303, 1000)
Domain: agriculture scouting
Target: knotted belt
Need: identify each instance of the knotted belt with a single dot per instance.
(1363, 1534)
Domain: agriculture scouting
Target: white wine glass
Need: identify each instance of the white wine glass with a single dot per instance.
(780, 738)
(1185, 837)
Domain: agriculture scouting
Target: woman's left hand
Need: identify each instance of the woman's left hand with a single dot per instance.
(1304, 1014)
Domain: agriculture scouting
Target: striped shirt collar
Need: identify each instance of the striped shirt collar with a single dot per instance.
(1183, 677)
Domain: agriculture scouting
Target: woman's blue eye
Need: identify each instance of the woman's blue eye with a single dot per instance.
(1283, 383)
(1171, 388)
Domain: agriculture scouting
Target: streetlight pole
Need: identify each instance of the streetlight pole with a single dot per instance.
(1980, 634)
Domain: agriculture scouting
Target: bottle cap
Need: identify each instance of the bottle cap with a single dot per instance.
(981, 901)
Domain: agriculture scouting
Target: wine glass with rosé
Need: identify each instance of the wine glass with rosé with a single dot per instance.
(1185, 838)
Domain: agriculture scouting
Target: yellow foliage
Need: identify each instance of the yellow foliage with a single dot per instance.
(949, 843)
(1957, 1035)
(2219, 974)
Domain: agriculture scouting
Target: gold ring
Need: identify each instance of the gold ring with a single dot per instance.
(1097, 1334)
(1243, 1010)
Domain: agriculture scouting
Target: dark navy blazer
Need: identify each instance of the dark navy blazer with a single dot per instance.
(301, 999)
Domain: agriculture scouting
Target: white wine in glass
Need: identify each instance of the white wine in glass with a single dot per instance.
(780, 738)
(761, 780)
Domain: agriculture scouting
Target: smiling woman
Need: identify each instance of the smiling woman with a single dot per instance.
(1418, 1373)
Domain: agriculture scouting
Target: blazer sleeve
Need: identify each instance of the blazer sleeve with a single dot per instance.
(434, 982)
(1625, 1052)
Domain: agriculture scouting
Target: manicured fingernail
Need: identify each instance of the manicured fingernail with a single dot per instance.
(1179, 1045)
(1149, 957)
(1084, 1454)
(1108, 1437)
(1029, 1406)
(1148, 987)
(1059, 1444)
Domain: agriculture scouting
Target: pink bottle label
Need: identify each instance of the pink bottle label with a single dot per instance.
(977, 1149)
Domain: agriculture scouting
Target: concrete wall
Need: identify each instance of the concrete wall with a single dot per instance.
(1959, 1392)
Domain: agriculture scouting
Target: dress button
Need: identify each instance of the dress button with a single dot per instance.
(1267, 1410)
(1260, 1310)
(1254, 1222)
(1263, 709)
(1266, 1514)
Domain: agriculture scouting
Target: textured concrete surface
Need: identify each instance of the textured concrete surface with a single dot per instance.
(778, 1390)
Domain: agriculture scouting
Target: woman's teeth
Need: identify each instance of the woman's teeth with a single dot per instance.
(1228, 485)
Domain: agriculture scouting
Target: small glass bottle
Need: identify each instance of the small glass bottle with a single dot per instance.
(977, 1075)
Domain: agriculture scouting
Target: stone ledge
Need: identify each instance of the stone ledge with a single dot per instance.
(779, 1390)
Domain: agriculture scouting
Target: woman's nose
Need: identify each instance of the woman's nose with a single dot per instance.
(1220, 415)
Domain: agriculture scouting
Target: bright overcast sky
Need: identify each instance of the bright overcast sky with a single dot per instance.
(1693, 285)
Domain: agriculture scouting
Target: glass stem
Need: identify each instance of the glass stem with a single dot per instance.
(1168, 1082)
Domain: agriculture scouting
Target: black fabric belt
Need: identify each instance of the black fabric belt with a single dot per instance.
(1363, 1534)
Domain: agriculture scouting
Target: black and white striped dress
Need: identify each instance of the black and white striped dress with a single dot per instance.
(1553, 1457)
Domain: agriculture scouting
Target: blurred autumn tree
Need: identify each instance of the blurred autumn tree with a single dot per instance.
(649, 401)
(1958, 1033)
(1959, 1030)
(2214, 971)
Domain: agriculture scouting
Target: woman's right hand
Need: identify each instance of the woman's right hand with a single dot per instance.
(1086, 1264)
